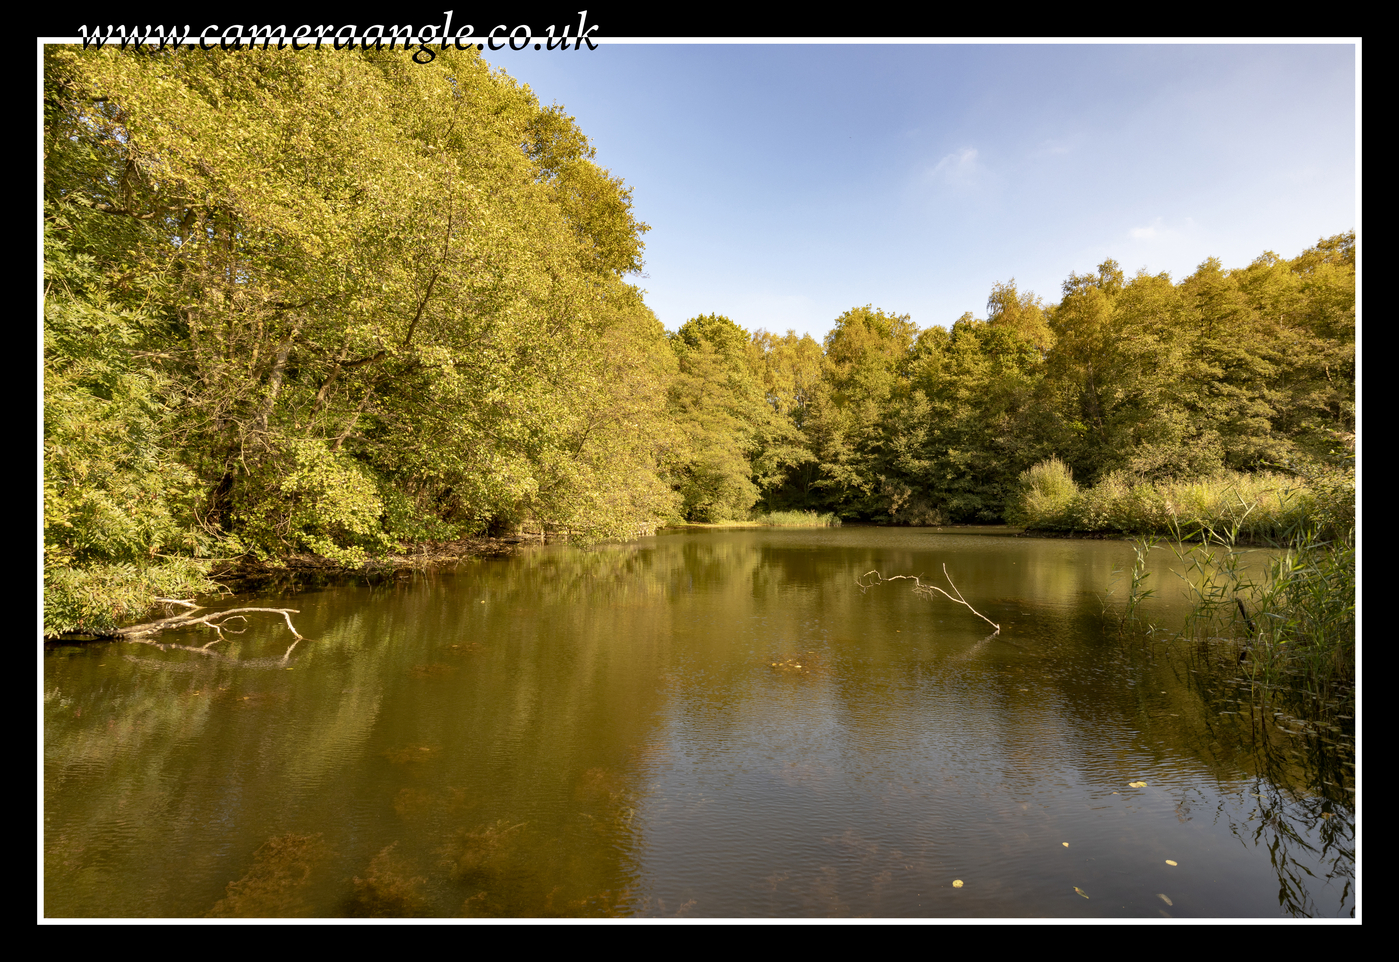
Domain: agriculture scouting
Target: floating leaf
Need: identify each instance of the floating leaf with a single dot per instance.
(1066, 844)
(1170, 861)
(1164, 899)
(1080, 891)
(957, 884)
(1136, 784)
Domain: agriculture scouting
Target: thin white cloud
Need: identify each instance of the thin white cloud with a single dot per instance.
(1050, 148)
(957, 169)
(1158, 231)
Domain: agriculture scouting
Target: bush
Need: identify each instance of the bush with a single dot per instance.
(98, 599)
(306, 497)
(1045, 497)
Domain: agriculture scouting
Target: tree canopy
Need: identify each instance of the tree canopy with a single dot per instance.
(368, 300)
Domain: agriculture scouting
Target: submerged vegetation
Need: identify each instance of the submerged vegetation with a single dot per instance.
(337, 304)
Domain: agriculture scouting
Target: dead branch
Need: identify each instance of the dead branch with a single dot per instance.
(213, 619)
(928, 590)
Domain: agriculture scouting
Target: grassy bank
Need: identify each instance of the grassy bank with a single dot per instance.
(1259, 507)
(774, 519)
(798, 519)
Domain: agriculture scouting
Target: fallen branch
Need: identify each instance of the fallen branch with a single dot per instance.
(928, 590)
(213, 620)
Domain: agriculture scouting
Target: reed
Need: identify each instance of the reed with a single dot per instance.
(1260, 507)
(1292, 622)
(798, 519)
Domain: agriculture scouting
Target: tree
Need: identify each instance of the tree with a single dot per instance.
(118, 526)
(791, 370)
(384, 300)
(849, 426)
(987, 417)
(717, 402)
(1008, 309)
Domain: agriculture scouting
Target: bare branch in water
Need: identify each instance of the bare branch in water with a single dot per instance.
(928, 590)
(213, 620)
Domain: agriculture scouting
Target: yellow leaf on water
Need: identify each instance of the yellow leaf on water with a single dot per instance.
(1080, 891)
(1170, 862)
(1136, 784)
(1066, 844)
(957, 884)
(1164, 899)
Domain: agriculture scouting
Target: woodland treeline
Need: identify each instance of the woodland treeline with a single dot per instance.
(335, 303)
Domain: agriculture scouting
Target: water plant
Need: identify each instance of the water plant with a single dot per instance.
(1291, 621)
(276, 884)
(478, 851)
(1137, 592)
(389, 889)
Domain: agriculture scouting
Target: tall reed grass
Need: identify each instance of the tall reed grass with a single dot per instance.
(798, 519)
(1294, 622)
(1261, 506)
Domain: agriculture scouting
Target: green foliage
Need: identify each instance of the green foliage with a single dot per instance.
(1022, 314)
(420, 268)
(306, 497)
(117, 504)
(987, 418)
(96, 599)
(1045, 497)
(797, 519)
(718, 403)
(853, 427)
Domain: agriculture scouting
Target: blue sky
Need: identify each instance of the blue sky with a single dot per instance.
(787, 183)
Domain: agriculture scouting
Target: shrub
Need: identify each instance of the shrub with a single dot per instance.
(307, 497)
(1045, 497)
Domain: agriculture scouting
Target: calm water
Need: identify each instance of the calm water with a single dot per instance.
(703, 723)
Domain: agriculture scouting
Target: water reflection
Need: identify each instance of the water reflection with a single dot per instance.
(698, 724)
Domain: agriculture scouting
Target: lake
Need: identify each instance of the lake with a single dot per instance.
(704, 723)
